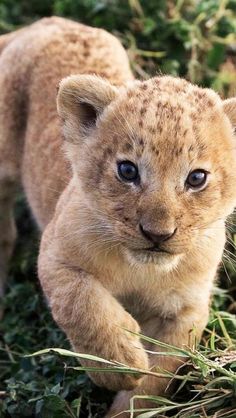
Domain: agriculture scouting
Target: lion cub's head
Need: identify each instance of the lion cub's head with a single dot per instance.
(156, 162)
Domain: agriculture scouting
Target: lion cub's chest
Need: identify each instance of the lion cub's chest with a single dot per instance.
(137, 304)
(144, 305)
(146, 293)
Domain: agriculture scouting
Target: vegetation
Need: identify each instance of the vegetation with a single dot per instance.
(195, 39)
(192, 38)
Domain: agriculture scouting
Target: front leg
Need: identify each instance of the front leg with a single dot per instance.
(181, 331)
(93, 320)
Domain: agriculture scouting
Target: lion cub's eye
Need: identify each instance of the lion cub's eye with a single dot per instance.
(128, 171)
(196, 179)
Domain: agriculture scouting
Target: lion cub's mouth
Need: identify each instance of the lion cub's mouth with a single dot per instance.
(154, 255)
(155, 249)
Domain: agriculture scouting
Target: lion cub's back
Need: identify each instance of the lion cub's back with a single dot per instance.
(39, 57)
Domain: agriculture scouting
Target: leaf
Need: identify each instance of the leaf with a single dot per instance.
(56, 389)
(69, 353)
(39, 406)
(215, 56)
(54, 403)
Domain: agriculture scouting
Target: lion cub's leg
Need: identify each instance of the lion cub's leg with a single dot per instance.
(92, 318)
(176, 332)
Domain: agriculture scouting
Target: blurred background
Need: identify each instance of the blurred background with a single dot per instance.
(192, 38)
(195, 39)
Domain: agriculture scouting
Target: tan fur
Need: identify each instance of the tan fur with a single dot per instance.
(93, 266)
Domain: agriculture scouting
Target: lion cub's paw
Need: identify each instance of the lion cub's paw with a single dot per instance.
(129, 354)
(126, 348)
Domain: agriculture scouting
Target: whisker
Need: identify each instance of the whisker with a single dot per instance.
(226, 272)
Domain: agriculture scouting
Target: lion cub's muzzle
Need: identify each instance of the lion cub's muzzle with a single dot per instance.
(156, 237)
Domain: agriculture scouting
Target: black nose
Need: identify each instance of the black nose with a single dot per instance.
(156, 238)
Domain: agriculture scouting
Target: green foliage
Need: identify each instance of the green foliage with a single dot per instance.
(190, 38)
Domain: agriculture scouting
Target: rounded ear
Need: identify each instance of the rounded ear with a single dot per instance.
(81, 100)
(229, 106)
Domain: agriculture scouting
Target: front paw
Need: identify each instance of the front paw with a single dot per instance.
(123, 347)
(130, 354)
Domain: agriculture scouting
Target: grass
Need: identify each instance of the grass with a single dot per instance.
(53, 385)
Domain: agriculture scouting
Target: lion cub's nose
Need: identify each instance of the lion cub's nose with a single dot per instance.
(154, 237)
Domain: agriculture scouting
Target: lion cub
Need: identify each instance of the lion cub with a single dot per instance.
(139, 230)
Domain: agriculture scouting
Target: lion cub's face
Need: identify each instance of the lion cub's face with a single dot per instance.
(156, 162)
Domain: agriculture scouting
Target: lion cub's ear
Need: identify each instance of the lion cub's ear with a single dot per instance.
(81, 100)
(230, 110)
